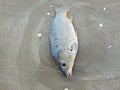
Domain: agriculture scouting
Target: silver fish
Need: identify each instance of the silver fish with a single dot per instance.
(63, 41)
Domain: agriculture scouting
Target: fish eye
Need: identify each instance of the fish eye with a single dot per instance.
(63, 64)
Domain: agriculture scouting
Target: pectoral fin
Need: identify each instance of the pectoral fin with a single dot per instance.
(74, 48)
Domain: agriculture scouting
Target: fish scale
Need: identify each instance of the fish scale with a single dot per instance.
(62, 34)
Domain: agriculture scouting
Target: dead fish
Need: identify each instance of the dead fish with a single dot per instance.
(63, 41)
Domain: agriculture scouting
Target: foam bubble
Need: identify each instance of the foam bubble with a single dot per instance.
(51, 5)
(110, 46)
(104, 9)
(48, 13)
(65, 88)
(101, 25)
(39, 34)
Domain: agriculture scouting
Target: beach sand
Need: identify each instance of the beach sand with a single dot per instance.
(25, 59)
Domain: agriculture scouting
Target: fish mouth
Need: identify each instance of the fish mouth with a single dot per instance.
(69, 74)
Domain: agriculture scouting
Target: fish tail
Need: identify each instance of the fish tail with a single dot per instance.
(63, 10)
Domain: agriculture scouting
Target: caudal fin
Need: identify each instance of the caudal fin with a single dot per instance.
(64, 10)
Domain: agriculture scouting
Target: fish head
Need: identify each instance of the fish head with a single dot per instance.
(66, 67)
(66, 62)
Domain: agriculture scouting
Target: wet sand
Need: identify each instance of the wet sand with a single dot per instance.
(25, 59)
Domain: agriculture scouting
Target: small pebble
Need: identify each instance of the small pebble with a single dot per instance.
(48, 13)
(51, 5)
(39, 35)
(66, 89)
(109, 46)
(104, 9)
(101, 25)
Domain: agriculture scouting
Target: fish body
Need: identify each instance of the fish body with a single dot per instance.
(63, 41)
